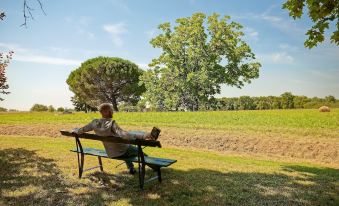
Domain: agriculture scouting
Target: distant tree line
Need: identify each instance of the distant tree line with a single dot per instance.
(285, 101)
(44, 108)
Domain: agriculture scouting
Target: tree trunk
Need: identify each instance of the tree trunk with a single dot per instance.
(195, 104)
(115, 104)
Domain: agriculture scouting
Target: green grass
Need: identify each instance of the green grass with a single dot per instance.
(42, 171)
(219, 119)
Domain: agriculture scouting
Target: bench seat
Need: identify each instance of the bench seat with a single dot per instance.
(161, 162)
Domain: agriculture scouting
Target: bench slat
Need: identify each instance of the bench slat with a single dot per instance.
(151, 143)
(92, 151)
(148, 160)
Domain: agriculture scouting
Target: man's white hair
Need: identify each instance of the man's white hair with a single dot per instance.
(104, 106)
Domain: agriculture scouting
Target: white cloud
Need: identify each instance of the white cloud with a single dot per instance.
(86, 33)
(275, 58)
(290, 48)
(41, 59)
(282, 24)
(252, 33)
(12, 47)
(282, 57)
(81, 25)
(116, 31)
(285, 24)
(28, 55)
(58, 49)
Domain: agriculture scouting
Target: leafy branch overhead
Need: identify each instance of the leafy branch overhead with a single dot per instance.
(322, 13)
(195, 61)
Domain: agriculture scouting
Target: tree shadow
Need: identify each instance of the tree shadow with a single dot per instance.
(292, 185)
(28, 179)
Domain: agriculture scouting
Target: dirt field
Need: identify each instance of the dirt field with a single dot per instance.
(271, 145)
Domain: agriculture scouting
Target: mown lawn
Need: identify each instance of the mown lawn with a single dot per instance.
(41, 171)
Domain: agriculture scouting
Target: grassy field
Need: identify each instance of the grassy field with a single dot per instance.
(211, 120)
(302, 122)
(278, 157)
(41, 171)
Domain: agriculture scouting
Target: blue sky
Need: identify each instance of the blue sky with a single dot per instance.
(74, 31)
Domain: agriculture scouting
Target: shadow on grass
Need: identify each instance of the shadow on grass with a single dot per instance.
(28, 179)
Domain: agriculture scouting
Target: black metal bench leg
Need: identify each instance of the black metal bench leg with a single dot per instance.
(159, 174)
(142, 175)
(100, 164)
(81, 165)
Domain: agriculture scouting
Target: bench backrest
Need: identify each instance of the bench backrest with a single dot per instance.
(114, 139)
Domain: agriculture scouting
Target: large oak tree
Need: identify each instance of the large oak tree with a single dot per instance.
(198, 56)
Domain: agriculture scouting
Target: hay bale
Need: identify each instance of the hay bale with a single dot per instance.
(324, 109)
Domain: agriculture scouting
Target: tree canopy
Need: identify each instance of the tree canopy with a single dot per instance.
(322, 13)
(197, 57)
(106, 79)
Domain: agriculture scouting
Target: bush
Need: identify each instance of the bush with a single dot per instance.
(51, 108)
(127, 107)
(13, 110)
(60, 109)
(68, 111)
(39, 108)
(3, 109)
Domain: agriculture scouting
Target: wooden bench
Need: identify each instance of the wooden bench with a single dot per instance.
(153, 162)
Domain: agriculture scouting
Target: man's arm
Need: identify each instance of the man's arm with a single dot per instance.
(125, 135)
(86, 128)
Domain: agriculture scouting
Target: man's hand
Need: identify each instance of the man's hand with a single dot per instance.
(148, 135)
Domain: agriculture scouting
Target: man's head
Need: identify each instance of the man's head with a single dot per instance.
(106, 110)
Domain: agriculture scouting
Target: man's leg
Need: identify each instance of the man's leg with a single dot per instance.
(132, 151)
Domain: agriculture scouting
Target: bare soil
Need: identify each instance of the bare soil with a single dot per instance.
(271, 145)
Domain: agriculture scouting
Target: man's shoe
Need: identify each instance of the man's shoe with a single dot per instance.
(132, 171)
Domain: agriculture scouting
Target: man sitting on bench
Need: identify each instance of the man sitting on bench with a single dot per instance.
(106, 126)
